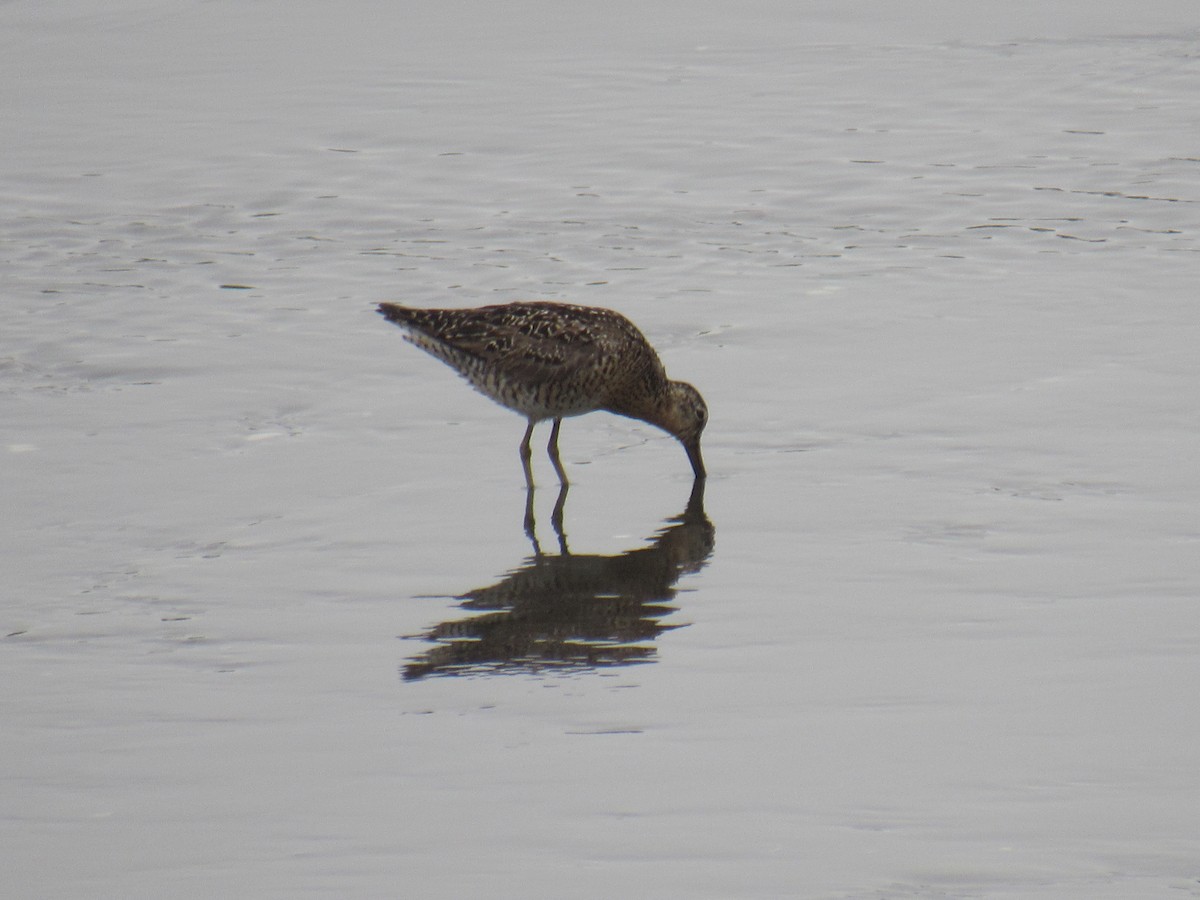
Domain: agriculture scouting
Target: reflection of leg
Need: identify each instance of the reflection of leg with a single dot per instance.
(552, 449)
(530, 525)
(556, 518)
(526, 455)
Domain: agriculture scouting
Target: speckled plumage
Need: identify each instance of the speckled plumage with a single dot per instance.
(553, 360)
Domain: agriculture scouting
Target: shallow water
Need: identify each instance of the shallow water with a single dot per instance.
(273, 623)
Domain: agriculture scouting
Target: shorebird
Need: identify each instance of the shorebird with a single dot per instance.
(554, 360)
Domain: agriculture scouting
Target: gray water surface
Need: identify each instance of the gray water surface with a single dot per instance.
(272, 624)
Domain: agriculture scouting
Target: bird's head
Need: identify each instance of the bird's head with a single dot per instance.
(684, 415)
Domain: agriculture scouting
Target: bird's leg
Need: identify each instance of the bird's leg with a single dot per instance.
(526, 455)
(552, 449)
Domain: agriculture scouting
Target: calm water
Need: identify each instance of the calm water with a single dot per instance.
(279, 618)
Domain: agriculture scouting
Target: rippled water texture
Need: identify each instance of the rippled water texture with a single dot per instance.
(278, 617)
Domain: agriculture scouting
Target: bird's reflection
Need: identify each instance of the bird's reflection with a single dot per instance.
(570, 611)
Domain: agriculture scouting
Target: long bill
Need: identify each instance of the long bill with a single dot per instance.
(693, 454)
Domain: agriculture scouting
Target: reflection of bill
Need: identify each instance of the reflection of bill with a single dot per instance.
(569, 611)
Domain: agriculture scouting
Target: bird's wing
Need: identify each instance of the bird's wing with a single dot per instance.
(529, 341)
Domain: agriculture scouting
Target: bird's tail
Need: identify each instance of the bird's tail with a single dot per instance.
(393, 312)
